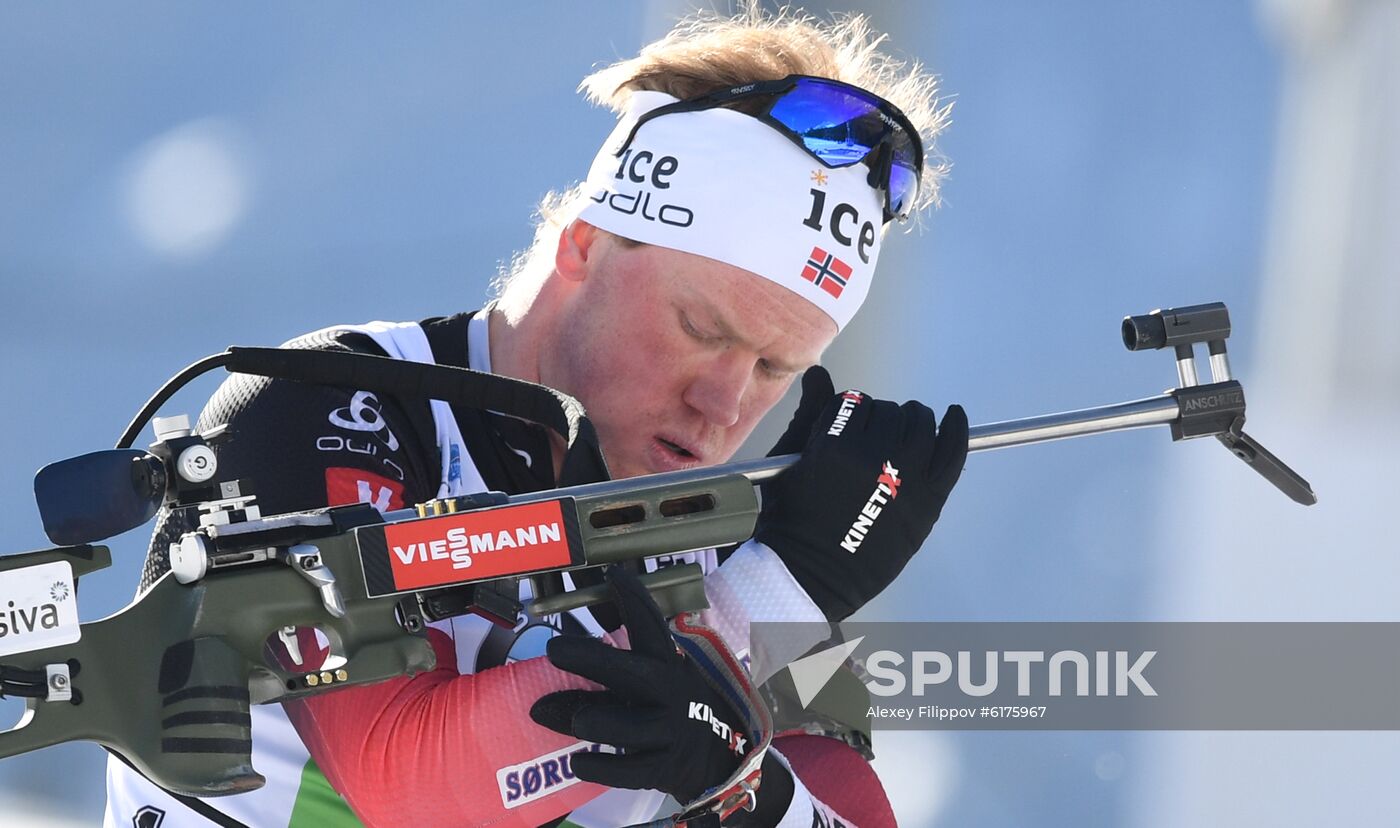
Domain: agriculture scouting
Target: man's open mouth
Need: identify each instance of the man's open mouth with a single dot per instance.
(679, 451)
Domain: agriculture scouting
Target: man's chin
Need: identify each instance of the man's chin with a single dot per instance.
(639, 467)
(622, 468)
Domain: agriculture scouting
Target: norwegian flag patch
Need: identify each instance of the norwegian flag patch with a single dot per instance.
(827, 272)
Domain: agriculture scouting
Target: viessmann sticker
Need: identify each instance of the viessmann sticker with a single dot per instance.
(470, 546)
(38, 608)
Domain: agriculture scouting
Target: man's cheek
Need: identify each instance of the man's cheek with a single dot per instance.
(755, 407)
(623, 442)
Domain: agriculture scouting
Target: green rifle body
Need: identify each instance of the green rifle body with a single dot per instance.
(167, 682)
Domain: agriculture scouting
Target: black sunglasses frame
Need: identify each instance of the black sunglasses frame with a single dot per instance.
(896, 123)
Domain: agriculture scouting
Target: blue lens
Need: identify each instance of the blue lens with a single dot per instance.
(842, 127)
(903, 190)
(835, 125)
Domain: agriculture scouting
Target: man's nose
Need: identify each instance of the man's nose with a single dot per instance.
(718, 390)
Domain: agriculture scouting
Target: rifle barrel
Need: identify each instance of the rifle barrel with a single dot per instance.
(1160, 410)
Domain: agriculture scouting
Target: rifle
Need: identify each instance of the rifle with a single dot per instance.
(167, 682)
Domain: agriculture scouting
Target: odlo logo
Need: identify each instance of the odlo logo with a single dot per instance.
(645, 169)
(886, 489)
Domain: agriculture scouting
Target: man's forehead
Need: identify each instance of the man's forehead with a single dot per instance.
(736, 190)
(759, 313)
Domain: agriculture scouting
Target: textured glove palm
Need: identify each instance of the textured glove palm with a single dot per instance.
(678, 733)
(873, 478)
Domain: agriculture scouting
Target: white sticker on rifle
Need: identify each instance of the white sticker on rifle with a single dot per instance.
(38, 608)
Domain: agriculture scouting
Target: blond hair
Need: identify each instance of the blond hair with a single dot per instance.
(706, 52)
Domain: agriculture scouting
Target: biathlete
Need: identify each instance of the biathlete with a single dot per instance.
(728, 229)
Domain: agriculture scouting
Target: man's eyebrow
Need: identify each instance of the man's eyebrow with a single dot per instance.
(726, 332)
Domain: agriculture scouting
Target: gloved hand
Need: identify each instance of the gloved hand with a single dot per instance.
(679, 735)
(872, 480)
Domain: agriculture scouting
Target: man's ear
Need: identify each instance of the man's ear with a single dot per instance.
(576, 242)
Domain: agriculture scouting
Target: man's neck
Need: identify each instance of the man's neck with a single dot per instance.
(515, 353)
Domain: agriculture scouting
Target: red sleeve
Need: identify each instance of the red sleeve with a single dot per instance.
(839, 778)
(446, 749)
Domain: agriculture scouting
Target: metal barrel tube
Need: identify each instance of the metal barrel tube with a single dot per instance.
(1152, 411)
(1159, 410)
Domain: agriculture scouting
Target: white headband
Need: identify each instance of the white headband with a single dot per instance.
(726, 186)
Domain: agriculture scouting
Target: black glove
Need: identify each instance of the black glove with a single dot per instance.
(872, 480)
(679, 735)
